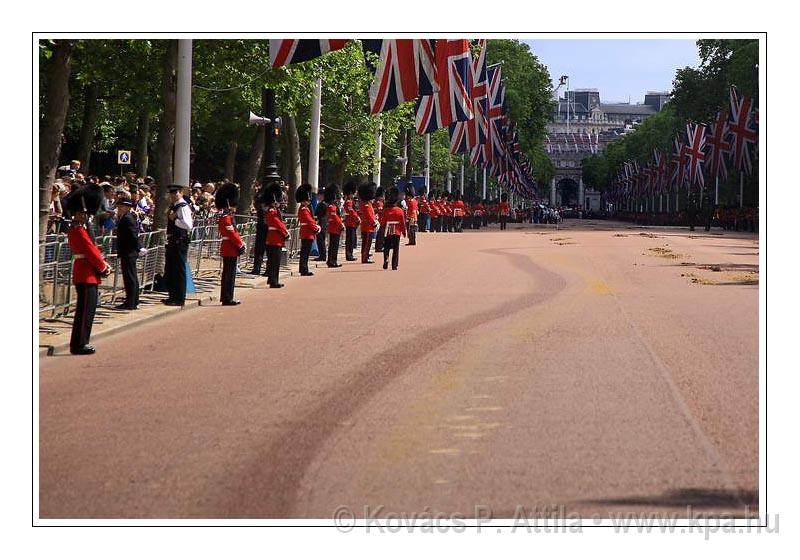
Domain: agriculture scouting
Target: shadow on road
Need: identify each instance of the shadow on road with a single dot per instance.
(685, 497)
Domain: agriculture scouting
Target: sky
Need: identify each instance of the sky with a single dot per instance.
(619, 68)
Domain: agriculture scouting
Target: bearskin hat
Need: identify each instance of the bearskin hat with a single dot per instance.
(456, 195)
(227, 196)
(303, 193)
(331, 193)
(271, 193)
(504, 197)
(410, 189)
(366, 191)
(392, 196)
(379, 192)
(85, 199)
(349, 188)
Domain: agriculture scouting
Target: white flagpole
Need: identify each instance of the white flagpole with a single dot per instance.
(313, 147)
(461, 177)
(741, 189)
(716, 191)
(376, 175)
(484, 183)
(183, 113)
(427, 164)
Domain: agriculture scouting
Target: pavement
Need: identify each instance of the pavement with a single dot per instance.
(596, 369)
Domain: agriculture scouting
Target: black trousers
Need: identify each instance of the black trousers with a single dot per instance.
(457, 225)
(381, 235)
(84, 315)
(228, 279)
(423, 221)
(175, 270)
(333, 248)
(349, 242)
(305, 251)
(130, 279)
(412, 234)
(323, 253)
(273, 264)
(259, 247)
(366, 245)
(503, 221)
(391, 243)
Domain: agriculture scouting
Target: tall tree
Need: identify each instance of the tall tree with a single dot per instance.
(88, 124)
(166, 134)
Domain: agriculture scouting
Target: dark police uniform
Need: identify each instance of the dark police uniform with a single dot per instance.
(128, 252)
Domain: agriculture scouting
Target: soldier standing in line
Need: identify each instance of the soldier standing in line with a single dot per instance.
(424, 212)
(458, 212)
(88, 268)
(277, 233)
(412, 210)
(503, 210)
(369, 222)
(351, 220)
(335, 225)
(128, 251)
(395, 227)
(226, 199)
(308, 226)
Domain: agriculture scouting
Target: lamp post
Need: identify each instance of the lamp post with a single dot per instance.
(273, 129)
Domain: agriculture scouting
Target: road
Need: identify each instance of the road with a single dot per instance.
(598, 368)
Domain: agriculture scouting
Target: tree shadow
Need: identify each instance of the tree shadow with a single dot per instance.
(706, 498)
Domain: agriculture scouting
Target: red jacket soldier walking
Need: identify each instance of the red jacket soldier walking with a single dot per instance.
(226, 199)
(88, 268)
(308, 226)
(503, 210)
(277, 234)
(458, 212)
(412, 213)
(369, 223)
(351, 220)
(395, 223)
(335, 225)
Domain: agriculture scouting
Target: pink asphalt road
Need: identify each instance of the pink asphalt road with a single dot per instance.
(597, 368)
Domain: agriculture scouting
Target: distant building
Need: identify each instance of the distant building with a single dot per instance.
(582, 125)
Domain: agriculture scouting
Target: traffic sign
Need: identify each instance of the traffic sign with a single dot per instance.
(124, 157)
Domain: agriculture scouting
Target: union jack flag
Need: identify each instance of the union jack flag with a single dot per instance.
(406, 70)
(743, 133)
(718, 146)
(676, 164)
(465, 135)
(290, 51)
(696, 154)
(453, 102)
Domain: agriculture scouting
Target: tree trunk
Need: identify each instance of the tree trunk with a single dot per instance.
(52, 125)
(166, 134)
(294, 167)
(230, 160)
(251, 176)
(409, 153)
(88, 125)
(142, 155)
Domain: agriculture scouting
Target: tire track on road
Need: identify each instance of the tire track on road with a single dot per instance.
(269, 489)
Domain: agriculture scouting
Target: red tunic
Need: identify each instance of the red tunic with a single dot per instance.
(502, 208)
(413, 212)
(89, 262)
(395, 221)
(231, 240)
(351, 218)
(367, 218)
(435, 211)
(458, 208)
(335, 224)
(379, 210)
(308, 225)
(424, 207)
(276, 229)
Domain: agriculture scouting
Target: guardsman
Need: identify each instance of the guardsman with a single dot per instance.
(308, 226)
(351, 220)
(378, 204)
(708, 209)
(458, 212)
(691, 209)
(260, 244)
(277, 233)
(335, 225)
(226, 199)
(449, 213)
(435, 212)
(128, 251)
(395, 222)
(412, 210)
(503, 210)
(369, 222)
(424, 212)
(179, 231)
(88, 267)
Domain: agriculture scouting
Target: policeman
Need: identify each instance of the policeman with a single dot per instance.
(226, 199)
(128, 250)
(179, 228)
(88, 267)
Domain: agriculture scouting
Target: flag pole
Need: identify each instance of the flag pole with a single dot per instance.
(716, 191)
(427, 164)
(376, 175)
(461, 177)
(484, 183)
(741, 189)
(313, 147)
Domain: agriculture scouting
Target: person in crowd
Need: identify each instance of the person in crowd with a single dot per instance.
(321, 215)
(503, 210)
(260, 245)
(395, 225)
(369, 222)
(424, 213)
(351, 220)
(277, 233)
(107, 211)
(128, 250)
(88, 268)
(179, 228)
(335, 225)
(226, 200)
(308, 226)
(412, 211)
(378, 205)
